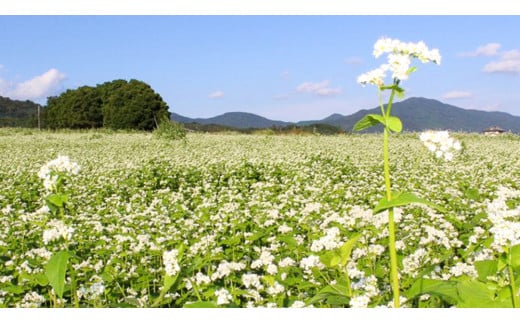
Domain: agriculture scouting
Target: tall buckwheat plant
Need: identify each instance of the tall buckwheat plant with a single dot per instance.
(55, 175)
(400, 56)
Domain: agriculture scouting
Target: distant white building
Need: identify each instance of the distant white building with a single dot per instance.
(493, 131)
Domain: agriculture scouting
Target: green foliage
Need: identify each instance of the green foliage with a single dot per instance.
(55, 271)
(16, 113)
(393, 123)
(340, 256)
(75, 109)
(117, 105)
(169, 130)
(401, 199)
(131, 105)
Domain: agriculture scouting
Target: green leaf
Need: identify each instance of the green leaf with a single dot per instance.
(445, 289)
(401, 199)
(399, 91)
(58, 199)
(486, 268)
(515, 257)
(13, 289)
(346, 249)
(330, 292)
(41, 279)
(168, 282)
(201, 304)
(475, 294)
(330, 259)
(394, 124)
(368, 121)
(55, 271)
(341, 255)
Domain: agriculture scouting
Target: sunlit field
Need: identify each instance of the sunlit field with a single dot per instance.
(235, 220)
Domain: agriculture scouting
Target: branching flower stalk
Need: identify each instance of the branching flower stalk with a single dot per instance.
(399, 58)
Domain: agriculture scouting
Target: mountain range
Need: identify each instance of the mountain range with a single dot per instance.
(417, 114)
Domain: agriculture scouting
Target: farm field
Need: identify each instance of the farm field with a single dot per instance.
(234, 220)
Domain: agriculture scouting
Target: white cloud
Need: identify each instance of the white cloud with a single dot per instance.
(216, 95)
(490, 49)
(457, 95)
(509, 62)
(39, 87)
(321, 88)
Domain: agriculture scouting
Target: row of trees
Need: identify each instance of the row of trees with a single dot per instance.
(119, 104)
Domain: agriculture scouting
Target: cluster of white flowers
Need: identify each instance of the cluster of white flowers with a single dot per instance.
(415, 261)
(286, 262)
(330, 241)
(57, 230)
(94, 291)
(307, 263)
(32, 299)
(298, 304)
(265, 259)
(275, 289)
(505, 220)
(252, 280)
(440, 143)
(284, 228)
(368, 285)
(50, 171)
(360, 301)
(171, 264)
(223, 296)
(400, 55)
(225, 268)
(463, 269)
(418, 50)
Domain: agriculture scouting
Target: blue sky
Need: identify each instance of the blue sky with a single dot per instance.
(282, 67)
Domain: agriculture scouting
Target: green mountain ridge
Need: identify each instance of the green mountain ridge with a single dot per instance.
(417, 114)
(15, 113)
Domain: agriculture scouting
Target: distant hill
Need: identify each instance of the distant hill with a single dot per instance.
(240, 120)
(15, 113)
(417, 114)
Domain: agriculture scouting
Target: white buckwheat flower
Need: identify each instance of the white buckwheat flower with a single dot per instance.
(359, 301)
(171, 265)
(61, 165)
(223, 296)
(400, 55)
(32, 299)
(375, 77)
(440, 143)
(56, 231)
(505, 220)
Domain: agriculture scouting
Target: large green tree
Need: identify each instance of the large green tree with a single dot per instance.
(79, 108)
(118, 104)
(132, 105)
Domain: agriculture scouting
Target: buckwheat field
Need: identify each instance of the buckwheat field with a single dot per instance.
(108, 219)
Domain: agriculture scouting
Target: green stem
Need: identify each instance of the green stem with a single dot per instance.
(512, 283)
(394, 278)
(391, 100)
(349, 288)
